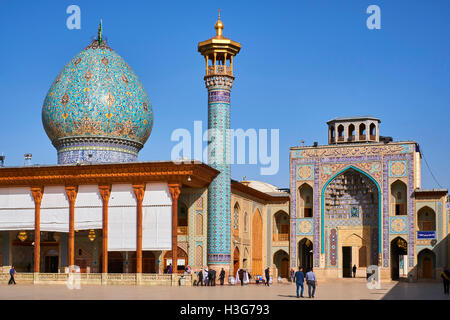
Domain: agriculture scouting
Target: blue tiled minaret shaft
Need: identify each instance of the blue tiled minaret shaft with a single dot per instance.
(219, 52)
(219, 198)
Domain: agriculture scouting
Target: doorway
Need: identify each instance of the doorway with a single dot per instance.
(235, 260)
(305, 248)
(399, 247)
(427, 268)
(51, 261)
(347, 262)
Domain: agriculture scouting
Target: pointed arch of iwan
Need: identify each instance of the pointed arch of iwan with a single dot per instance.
(322, 207)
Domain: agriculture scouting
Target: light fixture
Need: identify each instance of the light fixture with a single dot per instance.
(91, 235)
(189, 178)
(22, 236)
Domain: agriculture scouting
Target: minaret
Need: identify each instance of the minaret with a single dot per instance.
(219, 53)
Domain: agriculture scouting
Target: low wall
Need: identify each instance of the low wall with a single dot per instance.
(150, 279)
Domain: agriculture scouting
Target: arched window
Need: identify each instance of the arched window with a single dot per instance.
(398, 198)
(362, 131)
(340, 132)
(351, 132)
(281, 230)
(305, 206)
(199, 224)
(236, 216)
(332, 133)
(245, 221)
(372, 131)
(426, 219)
(182, 218)
(199, 256)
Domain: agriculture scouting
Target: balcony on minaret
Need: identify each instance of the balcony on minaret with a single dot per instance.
(219, 52)
(219, 70)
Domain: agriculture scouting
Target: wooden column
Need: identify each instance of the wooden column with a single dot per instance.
(71, 192)
(105, 192)
(175, 190)
(37, 193)
(139, 190)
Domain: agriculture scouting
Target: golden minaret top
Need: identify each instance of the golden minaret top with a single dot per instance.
(219, 52)
(219, 27)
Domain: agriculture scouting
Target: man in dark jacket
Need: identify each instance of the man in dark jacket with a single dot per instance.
(299, 280)
(445, 275)
(222, 276)
(267, 273)
(200, 278)
(211, 277)
(354, 270)
(241, 276)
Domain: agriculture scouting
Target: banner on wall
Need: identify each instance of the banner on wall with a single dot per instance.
(426, 234)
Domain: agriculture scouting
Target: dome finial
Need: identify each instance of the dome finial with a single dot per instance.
(219, 26)
(99, 33)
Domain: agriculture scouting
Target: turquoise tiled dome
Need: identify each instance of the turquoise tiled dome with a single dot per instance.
(97, 109)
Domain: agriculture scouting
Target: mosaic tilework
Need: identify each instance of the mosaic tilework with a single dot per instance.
(398, 225)
(305, 226)
(397, 168)
(305, 172)
(219, 191)
(95, 156)
(410, 205)
(333, 248)
(97, 95)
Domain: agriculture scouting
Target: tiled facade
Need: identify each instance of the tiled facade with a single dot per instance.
(364, 209)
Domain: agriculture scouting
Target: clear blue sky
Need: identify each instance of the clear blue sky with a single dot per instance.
(302, 62)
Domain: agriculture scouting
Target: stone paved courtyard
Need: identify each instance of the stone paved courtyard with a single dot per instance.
(342, 289)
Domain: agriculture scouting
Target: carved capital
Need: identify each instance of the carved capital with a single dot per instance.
(175, 190)
(139, 190)
(37, 193)
(105, 192)
(71, 192)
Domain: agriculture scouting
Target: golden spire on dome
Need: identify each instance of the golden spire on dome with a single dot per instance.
(219, 26)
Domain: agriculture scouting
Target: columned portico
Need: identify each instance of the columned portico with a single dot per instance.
(71, 192)
(37, 193)
(105, 192)
(175, 190)
(139, 190)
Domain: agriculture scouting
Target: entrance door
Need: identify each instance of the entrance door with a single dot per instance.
(236, 260)
(284, 268)
(51, 264)
(427, 268)
(347, 262)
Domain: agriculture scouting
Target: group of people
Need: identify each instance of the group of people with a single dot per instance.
(311, 281)
(207, 277)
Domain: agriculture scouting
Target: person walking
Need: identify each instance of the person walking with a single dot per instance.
(354, 270)
(445, 275)
(292, 274)
(311, 280)
(200, 277)
(299, 280)
(222, 276)
(170, 270)
(267, 273)
(241, 276)
(12, 273)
